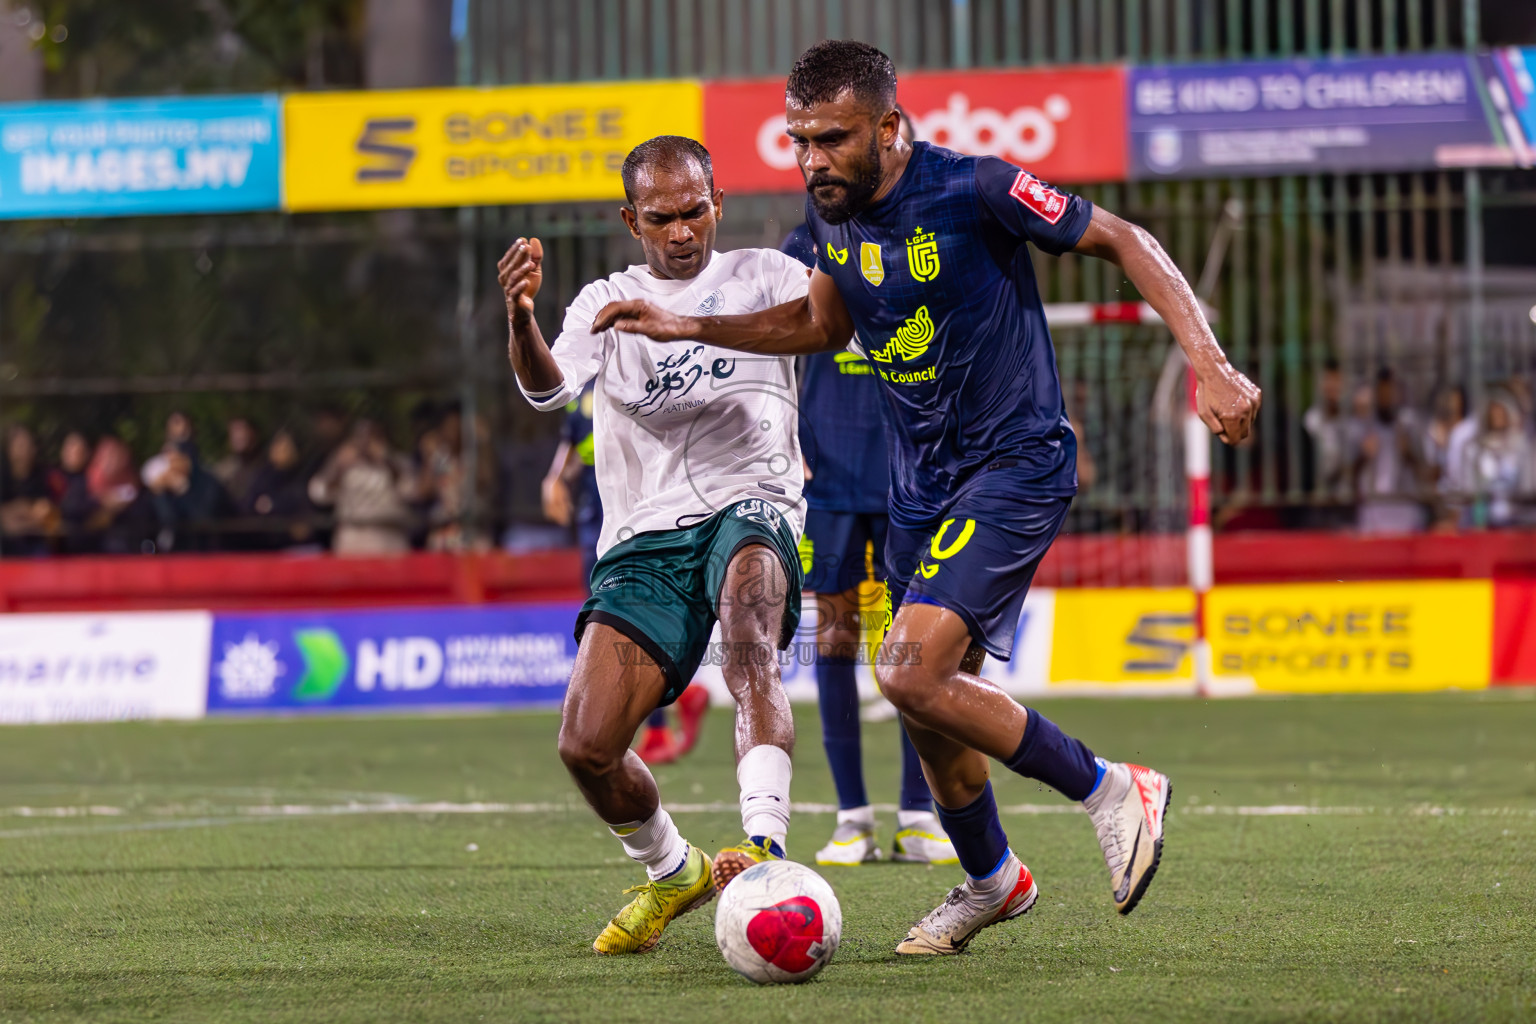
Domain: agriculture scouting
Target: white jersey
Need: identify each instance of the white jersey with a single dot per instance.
(683, 429)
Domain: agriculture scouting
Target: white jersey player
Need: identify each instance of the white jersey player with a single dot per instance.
(698, 465)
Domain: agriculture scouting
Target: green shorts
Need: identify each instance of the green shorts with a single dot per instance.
(661, 589)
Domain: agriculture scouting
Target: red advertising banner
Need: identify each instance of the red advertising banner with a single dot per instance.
(1514, 632)
(1066, 125)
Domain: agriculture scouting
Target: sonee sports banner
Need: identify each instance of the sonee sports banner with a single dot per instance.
(466, 147)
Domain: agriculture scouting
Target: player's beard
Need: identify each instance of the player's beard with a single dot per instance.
(857, 191)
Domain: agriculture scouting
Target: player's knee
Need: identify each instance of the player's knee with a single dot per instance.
(587, 756)
(908, 686)
(750, 665)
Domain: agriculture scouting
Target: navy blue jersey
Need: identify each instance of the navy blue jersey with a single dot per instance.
(578, 434)
(938, 281)
(841, 433)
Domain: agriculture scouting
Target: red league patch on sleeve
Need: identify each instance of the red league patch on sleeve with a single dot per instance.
(1039, 197)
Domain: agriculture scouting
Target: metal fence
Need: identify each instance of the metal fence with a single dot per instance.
(1431, 274)
(1368, 270)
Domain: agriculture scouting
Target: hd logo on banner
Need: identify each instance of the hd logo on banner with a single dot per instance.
(516, 654)
(114, 157)
(452, 147)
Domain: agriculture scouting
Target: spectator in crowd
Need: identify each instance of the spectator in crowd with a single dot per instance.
(371, 487)
(124, 513)
(1446, 436)
(1386, 463)
(188, 500)
(27, 510)
(238, 468)
(78, 510)
(1327, 430)
(1498, 468)
(327, 432)
(278, 498)
(443, 482)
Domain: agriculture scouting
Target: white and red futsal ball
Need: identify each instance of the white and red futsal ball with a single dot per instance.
(778, 923)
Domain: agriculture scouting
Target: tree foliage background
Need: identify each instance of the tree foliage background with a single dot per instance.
(108, 325)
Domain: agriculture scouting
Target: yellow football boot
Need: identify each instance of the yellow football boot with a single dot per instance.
(638, 927)
(733, 860)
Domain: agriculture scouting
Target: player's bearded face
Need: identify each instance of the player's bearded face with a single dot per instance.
(839, 199)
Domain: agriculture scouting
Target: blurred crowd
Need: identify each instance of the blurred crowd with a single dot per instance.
(1372, 462)
(344, 489)
(1384, 466)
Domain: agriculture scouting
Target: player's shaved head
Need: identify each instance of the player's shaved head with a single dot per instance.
(836, 66)
(669, 152)
(673, 205)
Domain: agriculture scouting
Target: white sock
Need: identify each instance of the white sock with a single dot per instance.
(858, 816)
(763, 775)
(998, 881)
(656, 843)
(914, 819)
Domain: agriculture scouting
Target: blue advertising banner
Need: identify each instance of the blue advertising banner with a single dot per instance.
(116, 157)
(1299, 116)
(1511, 82)
(396, 658)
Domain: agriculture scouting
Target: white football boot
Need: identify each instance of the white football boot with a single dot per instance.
(853, 842)
(951, 926)
(1127, 811)
(923, 841)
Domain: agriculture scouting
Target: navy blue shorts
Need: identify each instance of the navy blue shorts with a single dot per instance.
(832, 550)
(977, 560)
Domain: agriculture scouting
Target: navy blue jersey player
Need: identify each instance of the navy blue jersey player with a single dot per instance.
(847, 491)
(982, 459)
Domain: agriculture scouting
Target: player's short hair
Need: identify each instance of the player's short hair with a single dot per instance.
(672, 151)
(835, 66)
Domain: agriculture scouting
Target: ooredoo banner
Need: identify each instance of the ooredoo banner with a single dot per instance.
(357, 660)
(97, 668)
(1065, 125)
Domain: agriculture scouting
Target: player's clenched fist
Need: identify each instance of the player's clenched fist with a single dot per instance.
(521, 272)
(1228, 402)
(636, 316)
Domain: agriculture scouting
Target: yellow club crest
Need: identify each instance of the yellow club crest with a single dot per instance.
(869, 263)
(840, 255)
(923, 255)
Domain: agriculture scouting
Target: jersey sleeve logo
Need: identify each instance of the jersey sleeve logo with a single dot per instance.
(840, 255)
(911, 339)
(1036, 195)
(923, 255)
(870, 264)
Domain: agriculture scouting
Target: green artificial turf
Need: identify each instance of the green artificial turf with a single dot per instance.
(174, 900)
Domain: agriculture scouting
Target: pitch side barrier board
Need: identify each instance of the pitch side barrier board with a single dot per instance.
(491, 656)
(557, 143)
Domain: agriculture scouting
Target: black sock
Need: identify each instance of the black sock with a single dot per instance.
(976, 833)
(1056, 759)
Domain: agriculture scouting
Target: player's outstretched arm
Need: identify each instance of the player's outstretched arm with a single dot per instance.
(521, 272)
(1227, 401)
(819, 322)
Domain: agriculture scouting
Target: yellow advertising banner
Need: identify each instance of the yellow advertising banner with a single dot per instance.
(1122, 637)
(1354, 637)
(464, 147)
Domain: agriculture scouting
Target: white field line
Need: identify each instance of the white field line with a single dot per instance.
(288, 810)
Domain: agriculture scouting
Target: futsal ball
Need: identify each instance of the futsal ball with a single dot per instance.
(778, 923)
